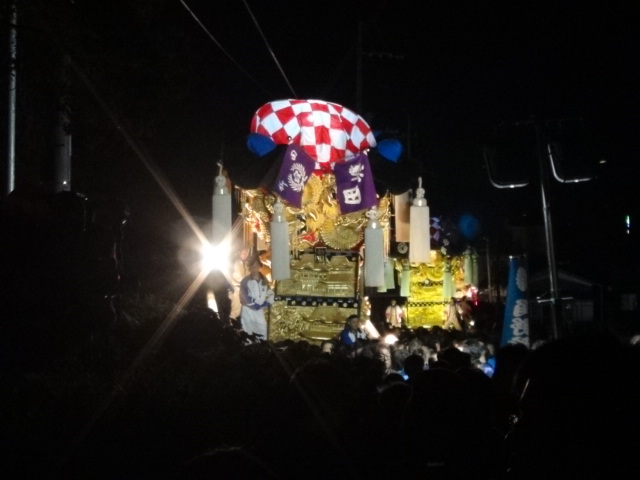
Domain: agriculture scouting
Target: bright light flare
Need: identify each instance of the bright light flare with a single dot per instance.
(214, 257)
(390, 339)
(211, 301)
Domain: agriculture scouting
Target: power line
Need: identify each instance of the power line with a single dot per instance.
(222, 48)
(269, 48)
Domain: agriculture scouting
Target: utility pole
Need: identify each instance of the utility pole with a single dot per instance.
(359, 54)
(11, 123)
(556, 300)
(492, 296)
(545, 151)
(60, 180)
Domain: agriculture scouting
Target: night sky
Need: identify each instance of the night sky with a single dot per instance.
(439, 76)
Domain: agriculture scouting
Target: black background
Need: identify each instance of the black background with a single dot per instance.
(147, 86)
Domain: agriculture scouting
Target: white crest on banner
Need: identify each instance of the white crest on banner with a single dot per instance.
(520, 322)
(357, 172)
(298, 177)
(352, 196)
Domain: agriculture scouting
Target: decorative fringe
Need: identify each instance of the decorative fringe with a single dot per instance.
(373, 251)
(405, 280)
(448, 287)
(401, 206)
(280, 259)
(468, 268)
(419, 228)
(221, 209)
(474, 269)
(389, 274)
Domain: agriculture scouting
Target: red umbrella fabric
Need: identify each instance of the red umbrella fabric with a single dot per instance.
(327, 132)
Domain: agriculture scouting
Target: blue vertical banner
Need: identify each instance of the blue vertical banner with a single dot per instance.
(515, 328)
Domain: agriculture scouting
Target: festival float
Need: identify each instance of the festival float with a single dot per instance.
(328, 199)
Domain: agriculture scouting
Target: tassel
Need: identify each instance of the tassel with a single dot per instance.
(373, 251)
(280, 260)
(448, 288)
(389, 274)
(474, 269)
(405, 280)
(221, 209)
(401, 206)
(419, 228)
(468, 268)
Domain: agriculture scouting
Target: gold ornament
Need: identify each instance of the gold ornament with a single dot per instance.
(312, 191)
(314, 218)
(341, 237)
(330, 209)
(435, 273)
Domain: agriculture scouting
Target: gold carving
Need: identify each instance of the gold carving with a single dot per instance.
(341, 237)
(318, 223)
(312, 191)
(426, 305)
(311, 323)
(285, 322)
(309, 277)
(318, 220)
(425, 315)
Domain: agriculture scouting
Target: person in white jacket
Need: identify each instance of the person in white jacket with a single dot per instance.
(255, 297)
(394, 315)
(239, 270)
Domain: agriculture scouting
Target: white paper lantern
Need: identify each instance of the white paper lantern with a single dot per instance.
(419, 228)
(373, 251)
(221, 209)
(280, 252)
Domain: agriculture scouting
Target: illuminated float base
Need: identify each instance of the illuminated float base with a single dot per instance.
(315, 302)
(426, 304)
(324, 288)
(323, 291)
(312, 320)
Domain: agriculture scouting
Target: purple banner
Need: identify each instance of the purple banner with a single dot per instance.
(354, 183)
(295, 170)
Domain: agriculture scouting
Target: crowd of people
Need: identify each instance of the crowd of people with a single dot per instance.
(435, 404)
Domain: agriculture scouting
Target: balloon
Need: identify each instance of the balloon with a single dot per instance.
(260, 144)
(469, 226)
(391, 149)
(328, 132)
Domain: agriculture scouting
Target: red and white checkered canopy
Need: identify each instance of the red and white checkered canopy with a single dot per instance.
(328, 132)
